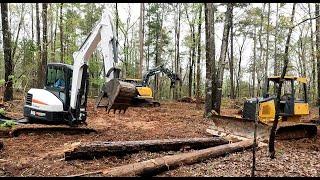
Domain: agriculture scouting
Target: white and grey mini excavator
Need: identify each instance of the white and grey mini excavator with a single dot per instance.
(64, 96)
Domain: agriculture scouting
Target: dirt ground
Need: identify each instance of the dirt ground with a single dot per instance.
(40, 155)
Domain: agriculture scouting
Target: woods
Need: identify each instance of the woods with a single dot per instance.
(183, 38)
(191, 82)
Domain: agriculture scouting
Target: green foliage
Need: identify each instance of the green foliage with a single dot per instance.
(8, 124)
(2, 111)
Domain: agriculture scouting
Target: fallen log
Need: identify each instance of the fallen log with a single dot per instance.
(119, 148)
(155, 166)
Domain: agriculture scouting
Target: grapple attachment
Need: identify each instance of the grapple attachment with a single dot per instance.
(119, 95)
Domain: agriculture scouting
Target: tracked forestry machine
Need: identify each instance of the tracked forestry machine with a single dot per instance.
(145, 95)
(293, 107)
(64, 96)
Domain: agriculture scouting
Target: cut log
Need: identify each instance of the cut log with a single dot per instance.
(99, 149)
(155, 166)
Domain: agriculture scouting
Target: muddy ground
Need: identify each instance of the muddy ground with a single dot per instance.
(40, 155)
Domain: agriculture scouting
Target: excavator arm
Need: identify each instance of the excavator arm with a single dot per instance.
(102, 33)
(173, 76)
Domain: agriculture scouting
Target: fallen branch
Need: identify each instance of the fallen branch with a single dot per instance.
(101, 148)
(154, 166)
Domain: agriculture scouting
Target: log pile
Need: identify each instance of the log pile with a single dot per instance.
(157, 165)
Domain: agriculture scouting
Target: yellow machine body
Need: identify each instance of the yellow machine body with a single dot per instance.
(145, 92)
(267, 109)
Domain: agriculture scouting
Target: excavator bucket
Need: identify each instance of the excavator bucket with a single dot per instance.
(119, 95)
(245, 128)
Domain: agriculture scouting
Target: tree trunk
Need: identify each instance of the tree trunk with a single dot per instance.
(224, 45)
(43, 64)
(199, 58)
(231, 59)
(155, 166)
(61, 35)
(209, 32)
(267, 54)
(100, 149)
(6, 35)
(141, 39)
(276, 64)
(313, 58)
(18, 32)
(318, 51)
(39, 74)
(260, 68)
(254, 62)
(178, 49)
(55, 37)
(277, 104)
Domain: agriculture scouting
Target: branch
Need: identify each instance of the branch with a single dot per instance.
(316, 17)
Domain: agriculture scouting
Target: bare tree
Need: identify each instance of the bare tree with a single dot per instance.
(267, 52)
(209, 32)
(8, 92)
(61, 35)
(318, 50)
(39, 72)
(199, 58)
(277, 104)
(224, 45)
(231, 59)
(313, 54)
(141, 39)
(44, 56)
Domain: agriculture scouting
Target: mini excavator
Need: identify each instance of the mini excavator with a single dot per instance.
(293, 107)
(64, 96)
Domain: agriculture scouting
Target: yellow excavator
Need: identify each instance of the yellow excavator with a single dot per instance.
(293, 108)
(144, 93)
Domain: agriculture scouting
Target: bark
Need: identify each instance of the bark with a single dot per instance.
(231, 60)
(99, 149)
(192, 52)
(276, 63)
(61, 35)
(141, 39)
(117, 22)
(259, 74)
(6, 36)
(239, 66)
(18, 32)
(277, 103)
(209, 32)
(267, 54)
(254, 62)
(178, 67)
(44, 55)
(313, 58)
(39, 75)
(318, 51)
(155, 166)
(222, 58)
(199, 58)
